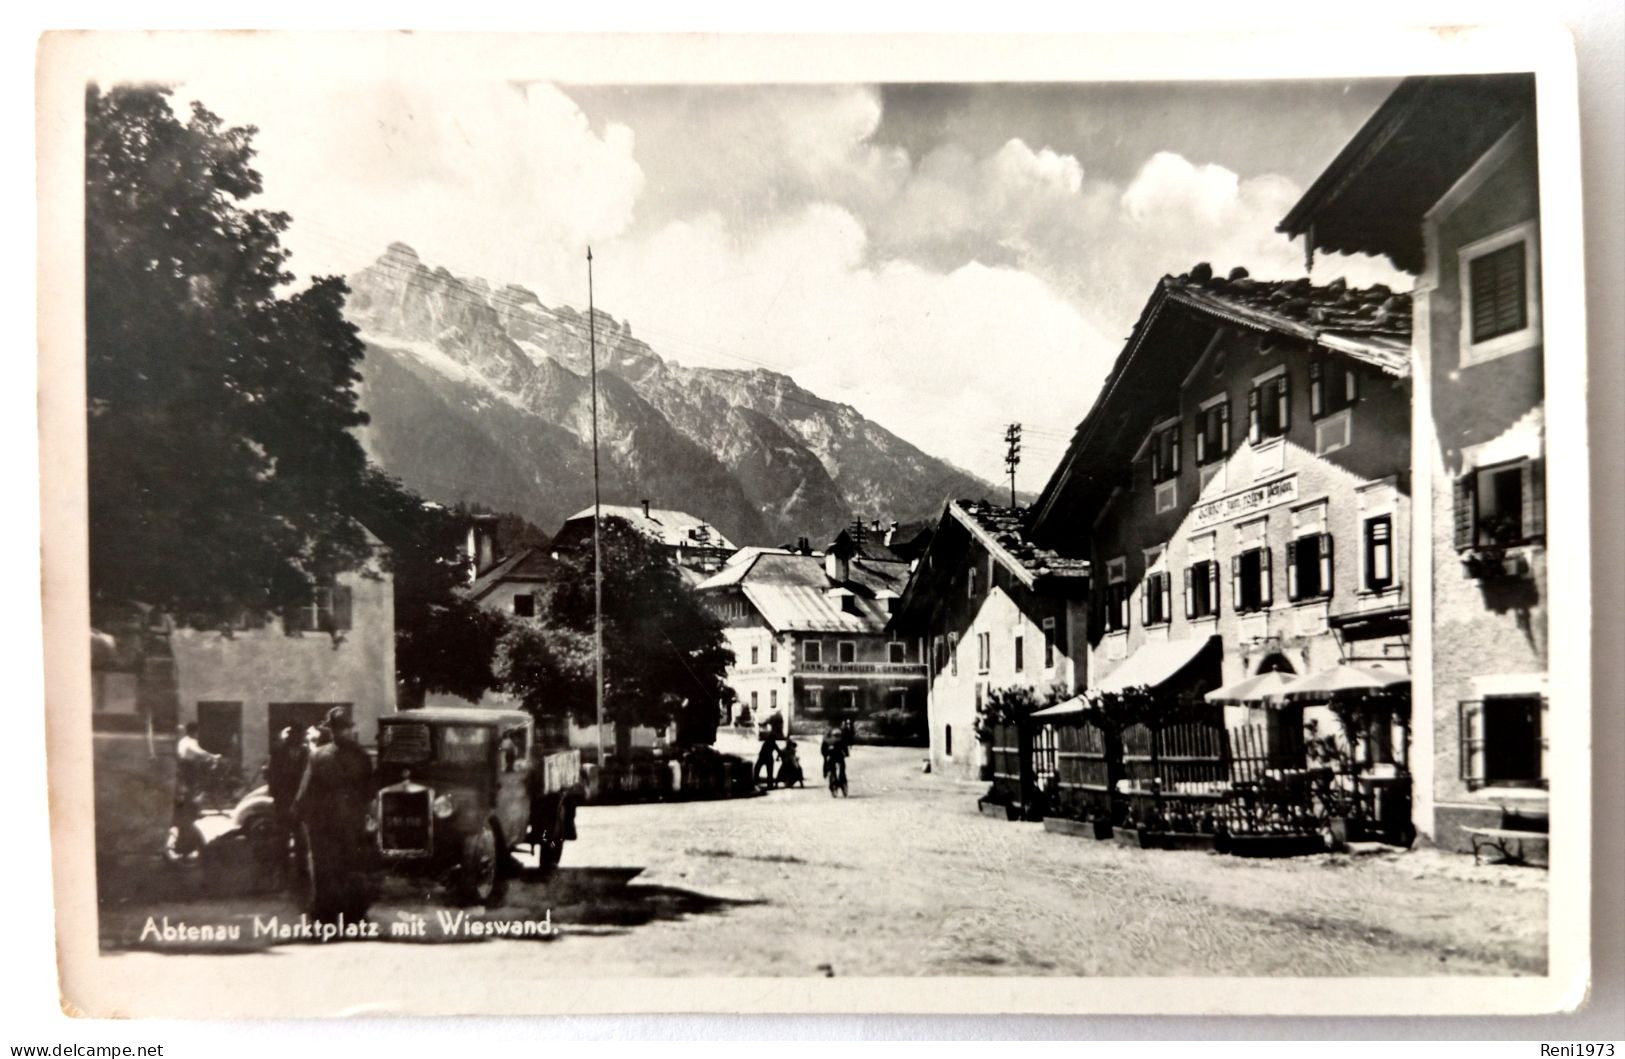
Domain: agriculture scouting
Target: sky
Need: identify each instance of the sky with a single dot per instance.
(946, 258)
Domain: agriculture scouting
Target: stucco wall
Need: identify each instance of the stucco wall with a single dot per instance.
(261, 666)
(1480, 628)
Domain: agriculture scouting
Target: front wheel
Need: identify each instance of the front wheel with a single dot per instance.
(479, 874)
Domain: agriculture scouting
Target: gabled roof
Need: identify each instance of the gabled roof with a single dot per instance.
(1371, 325)
(792, 592)
(1424, 137)
(671, 528)
(527, 564)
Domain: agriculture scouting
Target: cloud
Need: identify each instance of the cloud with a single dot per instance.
(943, 359)
(480, 176)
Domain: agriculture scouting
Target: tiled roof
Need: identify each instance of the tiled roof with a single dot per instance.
(1372, 324)
(792, 591)
(527, 564)
(671, 528)
(1001, 530)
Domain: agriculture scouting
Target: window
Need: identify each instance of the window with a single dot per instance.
(984, 651)
(812, 652)
(1250, 580)
(524, 606)
(328, 610)
(1202, 589)
(815, 699)
(773, 651)
(1500, 294)
(1379, 553)
(1500, 506)
(1165, 454)
(755, 654)
(970, 582)
(1333, 386)
(1155, 603)
(953, 654)
(939, 654)
(1269, 408)
(1213, 432)
(1309, 567)
(1114, 597)
(1049, 643)
(1503, 741)
(947, 740)
(773, 699)
(846, 652)
(753, 696)
(1020, 659)
(896, 653)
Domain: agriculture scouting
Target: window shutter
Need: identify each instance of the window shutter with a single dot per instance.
(1292, 593)
(1466, 500)
(1317, 388)
(1534, 499)
(1255, 425)
(1470, 729)
(1145, 600)
(1166, 584)
(1201, 436)
(1213, 583)
(1173, 465)
(1284, 396)
(1190, 586)
(1266, 592)
(1326, 564)
(341, 608)
(1235, 581)
(1351, 385)
(1224, 428)
(1156, 458)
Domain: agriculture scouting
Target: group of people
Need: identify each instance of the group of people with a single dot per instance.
(321, 785)
(834, 748)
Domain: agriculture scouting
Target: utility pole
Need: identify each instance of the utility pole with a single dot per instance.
(1012, 456)
(597, 519)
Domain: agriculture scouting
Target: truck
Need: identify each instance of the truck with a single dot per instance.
(459, 789)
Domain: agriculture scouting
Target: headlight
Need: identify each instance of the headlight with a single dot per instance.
(443, 806)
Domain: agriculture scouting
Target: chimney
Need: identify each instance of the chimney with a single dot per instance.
(891, 531)
(482, 543)
(803, 545)
(836, 567)
(646, 508)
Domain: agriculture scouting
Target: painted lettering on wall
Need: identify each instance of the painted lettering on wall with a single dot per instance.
(1246, 502)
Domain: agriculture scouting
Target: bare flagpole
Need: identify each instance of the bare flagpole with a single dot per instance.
(597, 547)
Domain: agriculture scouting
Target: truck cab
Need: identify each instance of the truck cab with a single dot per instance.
(459, 789)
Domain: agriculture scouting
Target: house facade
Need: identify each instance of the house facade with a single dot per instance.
(1242, 488)
(696, 547)
(989, 612)
(243, 686)
(1453, 162)
(808, 632)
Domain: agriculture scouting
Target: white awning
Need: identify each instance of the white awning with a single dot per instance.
(1154, 664)
(1068, 708)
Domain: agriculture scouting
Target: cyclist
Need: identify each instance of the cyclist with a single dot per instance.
(834, 749)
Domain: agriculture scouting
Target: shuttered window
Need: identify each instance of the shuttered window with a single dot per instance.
(1250, 580)
(1309, 567)
(1165, 454)
(1269, 409)
(1202, 590)
(1379, 552)
(1213, 433)
(1156, 604)
(1496, 284)
(1503, 741)
(1500, 506)
(1333, 386)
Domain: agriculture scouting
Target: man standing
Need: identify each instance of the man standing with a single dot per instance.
(289, 757)
(332, 805)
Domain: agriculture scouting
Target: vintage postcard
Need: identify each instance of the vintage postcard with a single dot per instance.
(1065, 524)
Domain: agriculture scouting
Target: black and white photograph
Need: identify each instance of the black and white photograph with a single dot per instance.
(729, 519)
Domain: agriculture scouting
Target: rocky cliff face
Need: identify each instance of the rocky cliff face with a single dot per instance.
(482, 394)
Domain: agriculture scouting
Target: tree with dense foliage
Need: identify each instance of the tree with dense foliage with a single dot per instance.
(444, 641)
(223, 470)
(665, 659)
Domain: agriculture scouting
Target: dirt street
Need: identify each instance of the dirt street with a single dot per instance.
(905, 877)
